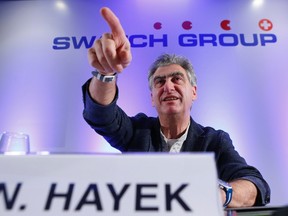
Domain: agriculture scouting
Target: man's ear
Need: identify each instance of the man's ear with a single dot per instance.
(194, 93)
(152, 101)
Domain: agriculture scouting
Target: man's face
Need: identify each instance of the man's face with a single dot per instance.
(171, 91)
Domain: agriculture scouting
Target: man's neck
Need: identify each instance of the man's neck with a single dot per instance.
(174, 127)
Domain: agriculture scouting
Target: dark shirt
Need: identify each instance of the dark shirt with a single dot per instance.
(141, 133)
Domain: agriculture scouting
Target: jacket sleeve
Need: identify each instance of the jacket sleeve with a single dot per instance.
(109, 121)
(232, 166)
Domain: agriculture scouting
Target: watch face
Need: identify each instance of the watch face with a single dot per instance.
(224, 184)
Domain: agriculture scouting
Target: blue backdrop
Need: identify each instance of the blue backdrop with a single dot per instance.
(238, 49)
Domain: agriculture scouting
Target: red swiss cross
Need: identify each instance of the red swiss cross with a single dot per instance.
(265, 24)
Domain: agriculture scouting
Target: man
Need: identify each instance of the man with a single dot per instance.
(173, 90)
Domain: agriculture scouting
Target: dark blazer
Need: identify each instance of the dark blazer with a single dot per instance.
(141, 133)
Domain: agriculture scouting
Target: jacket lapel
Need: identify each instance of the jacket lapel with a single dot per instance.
(194, 138)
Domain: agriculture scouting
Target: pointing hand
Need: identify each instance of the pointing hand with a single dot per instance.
(111, 53)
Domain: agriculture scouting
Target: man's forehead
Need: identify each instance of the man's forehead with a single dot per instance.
(169, 71)
(169, 74)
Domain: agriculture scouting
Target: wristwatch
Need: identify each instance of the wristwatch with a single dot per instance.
(104, 78)
(227, 189)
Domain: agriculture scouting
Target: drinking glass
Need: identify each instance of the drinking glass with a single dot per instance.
(14, 143)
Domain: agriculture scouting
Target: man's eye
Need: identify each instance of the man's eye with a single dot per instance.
(159, 81)
(177, 78)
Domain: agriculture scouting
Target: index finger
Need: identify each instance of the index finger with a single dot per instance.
(114, 24)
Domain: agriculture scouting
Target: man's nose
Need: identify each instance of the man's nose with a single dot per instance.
(169, 86)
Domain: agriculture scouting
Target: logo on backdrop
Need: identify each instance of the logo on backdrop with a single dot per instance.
(186, 39)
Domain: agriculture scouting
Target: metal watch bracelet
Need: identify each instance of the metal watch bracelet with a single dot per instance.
(104, 78)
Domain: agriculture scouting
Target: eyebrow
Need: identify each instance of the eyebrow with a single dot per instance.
(176, 73)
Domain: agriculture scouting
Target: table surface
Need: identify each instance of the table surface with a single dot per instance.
(252, 211)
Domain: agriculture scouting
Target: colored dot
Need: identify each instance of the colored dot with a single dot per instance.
(157, 25)
(187, 25)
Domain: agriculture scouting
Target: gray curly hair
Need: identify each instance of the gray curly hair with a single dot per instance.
(169, 59)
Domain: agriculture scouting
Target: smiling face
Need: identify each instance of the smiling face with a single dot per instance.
(171, 92)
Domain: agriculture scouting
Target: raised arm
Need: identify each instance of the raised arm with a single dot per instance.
(109, 55)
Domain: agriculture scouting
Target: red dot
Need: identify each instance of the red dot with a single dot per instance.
(157, 25)
(187, 25)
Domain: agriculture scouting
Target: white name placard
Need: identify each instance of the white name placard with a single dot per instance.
(114, 184)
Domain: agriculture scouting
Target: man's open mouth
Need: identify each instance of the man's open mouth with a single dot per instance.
(170, 98)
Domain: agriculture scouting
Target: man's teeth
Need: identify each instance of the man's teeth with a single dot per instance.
(170, 99)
